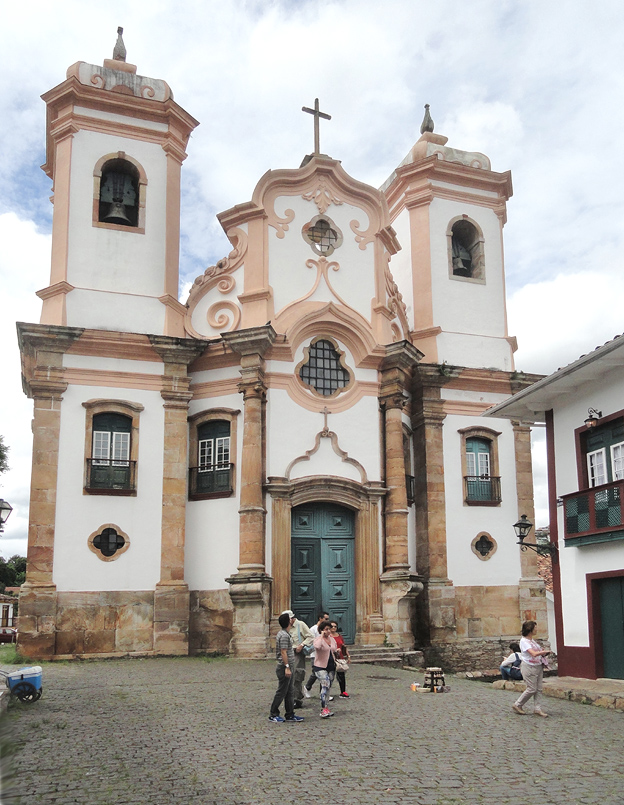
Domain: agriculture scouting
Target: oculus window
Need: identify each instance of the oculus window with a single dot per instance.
(323, 369)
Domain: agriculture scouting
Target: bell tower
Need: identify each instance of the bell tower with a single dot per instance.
(448, 208)
(115, 143)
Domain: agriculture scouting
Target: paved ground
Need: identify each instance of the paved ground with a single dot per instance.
(163, 731)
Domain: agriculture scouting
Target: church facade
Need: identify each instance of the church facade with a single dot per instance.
(304, 431)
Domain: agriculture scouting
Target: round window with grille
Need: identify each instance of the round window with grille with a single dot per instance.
(323, 235)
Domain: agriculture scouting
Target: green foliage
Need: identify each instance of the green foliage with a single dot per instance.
(12, 571)
(4, 456)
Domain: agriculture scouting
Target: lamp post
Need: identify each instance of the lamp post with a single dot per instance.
(5, 511)
(522, 529)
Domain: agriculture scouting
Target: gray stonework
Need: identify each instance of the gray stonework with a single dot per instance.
(470, 654)
(211, 622)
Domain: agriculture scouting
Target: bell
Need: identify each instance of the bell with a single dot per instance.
(117, 214)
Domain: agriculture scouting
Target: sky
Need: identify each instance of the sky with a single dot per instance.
(537, 86)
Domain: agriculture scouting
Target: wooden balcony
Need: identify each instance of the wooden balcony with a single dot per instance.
(108, 477)
(211, 481)
(594, 513)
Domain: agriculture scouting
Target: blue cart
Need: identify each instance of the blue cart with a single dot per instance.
(25, 684)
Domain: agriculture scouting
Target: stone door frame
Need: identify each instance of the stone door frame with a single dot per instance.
(365, 502)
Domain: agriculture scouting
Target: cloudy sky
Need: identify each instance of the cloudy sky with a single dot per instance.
(537, 86)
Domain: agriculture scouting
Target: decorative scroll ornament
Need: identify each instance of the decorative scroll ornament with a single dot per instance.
(362, 238)
(280, 224)
(395, 298)
(224, 316)
(322, 197)
(228, 264)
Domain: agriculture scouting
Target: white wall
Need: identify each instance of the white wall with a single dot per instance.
(576, 562)
(291, 279)
(212, 526)
(464, 523)
(78, 515)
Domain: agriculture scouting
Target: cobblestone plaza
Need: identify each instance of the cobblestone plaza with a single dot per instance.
(190, 730)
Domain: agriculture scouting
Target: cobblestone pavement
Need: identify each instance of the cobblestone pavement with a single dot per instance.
(188, 730)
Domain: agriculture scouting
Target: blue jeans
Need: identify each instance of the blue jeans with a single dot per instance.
(326, 678)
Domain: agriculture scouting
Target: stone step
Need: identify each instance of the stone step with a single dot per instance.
(390, 656)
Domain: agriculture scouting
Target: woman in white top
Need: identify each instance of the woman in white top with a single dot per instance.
(532, 668)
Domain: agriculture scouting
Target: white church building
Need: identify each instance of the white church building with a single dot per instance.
(303, 431)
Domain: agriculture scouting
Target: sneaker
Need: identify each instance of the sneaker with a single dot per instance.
(276, 719)
(518, 710)
(344, 695)
(331, 698)
(293, 718)
(306, 692)
(325, 713)
(541, 713)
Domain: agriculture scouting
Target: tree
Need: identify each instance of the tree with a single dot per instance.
(4, 456)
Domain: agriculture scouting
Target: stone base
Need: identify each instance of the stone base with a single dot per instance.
(211, 622)
(399, 591)
(171, 619)
(36, 638)
(466, 655)
(84, 623)
(250, 595)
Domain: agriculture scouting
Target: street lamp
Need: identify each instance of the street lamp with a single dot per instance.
(5, 511)
(522, 528)
(592, 417)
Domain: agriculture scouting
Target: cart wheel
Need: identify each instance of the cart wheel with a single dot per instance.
(39, 692)
(25, 692)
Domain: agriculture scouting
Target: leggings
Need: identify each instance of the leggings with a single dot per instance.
(326, 678)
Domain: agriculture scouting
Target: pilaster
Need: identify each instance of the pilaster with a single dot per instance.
(250, 587)
(171, 595)
(42, 349)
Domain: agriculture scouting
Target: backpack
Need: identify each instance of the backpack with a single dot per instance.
(514, 670)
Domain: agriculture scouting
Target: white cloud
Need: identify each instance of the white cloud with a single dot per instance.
(532, 87)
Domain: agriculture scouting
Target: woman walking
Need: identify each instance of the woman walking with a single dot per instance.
(324, 666)
(532, 668)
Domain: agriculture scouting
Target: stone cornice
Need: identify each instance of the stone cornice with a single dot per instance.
(252, 341)
(182, 351)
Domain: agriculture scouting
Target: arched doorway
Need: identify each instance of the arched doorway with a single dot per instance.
(323, 564)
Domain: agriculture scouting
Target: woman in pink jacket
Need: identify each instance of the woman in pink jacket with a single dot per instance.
(324, 663)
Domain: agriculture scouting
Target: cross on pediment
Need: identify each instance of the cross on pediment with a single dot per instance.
(325, 412)
(317, 114)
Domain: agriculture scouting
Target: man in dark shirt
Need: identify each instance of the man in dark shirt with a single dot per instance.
(285, 656)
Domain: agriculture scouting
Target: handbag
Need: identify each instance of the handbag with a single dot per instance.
(341, 665)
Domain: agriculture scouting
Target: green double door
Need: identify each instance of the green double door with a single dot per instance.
(323, 566)
(611, 592)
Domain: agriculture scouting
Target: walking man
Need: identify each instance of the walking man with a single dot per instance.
(285, 657)
(301, 637)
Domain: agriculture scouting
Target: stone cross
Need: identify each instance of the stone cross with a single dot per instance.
(317, 114)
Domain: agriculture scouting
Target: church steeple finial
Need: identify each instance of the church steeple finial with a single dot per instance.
(119, 53)
(427, 124)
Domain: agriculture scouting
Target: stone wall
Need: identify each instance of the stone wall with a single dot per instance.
(104, 622)
(467, 655)
(211, 622)
(487, 611)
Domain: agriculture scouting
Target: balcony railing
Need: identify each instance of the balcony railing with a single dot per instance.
(108, 476)
(594, 511)
(210, 480)
(482, 490)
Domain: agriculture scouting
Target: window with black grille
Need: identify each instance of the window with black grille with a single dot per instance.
(323, 370)
(108, 542)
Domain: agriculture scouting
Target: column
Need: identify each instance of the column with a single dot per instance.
(171, 594)
(250, 586)
(399, 586)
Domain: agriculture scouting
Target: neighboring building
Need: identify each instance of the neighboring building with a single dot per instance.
(582, 407)
(304, 432)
